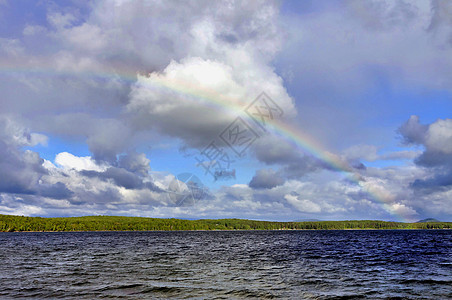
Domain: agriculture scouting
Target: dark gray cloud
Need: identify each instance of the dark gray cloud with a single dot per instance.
(55, 191)
(431, 158)
(19, 172)
(122, 177)
(441, 22)
(266, 179)
(294, 163)
(412, 131)
(22, 172)
(276, 151)
(108, 138)
(441, 180)
(435, 137)
(135, 162)
(437, 155)
(131, 172)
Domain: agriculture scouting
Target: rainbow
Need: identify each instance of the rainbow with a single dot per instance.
(301, 139)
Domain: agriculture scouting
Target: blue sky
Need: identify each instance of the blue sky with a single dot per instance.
(105, 103)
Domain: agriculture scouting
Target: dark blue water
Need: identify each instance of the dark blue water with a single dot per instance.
(410, 264)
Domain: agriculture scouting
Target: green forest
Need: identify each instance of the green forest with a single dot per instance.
(10, 223)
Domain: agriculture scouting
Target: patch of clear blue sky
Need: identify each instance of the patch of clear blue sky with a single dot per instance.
(395, 101)
(170, 159)
(57, 145)
(15, 14)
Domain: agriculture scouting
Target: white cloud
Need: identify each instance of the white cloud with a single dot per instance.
(11, 47)
(30, 30)
(370, 153)
(197, 98)
(303, 205)
(402, 209)
(69, 161)
(439, 136)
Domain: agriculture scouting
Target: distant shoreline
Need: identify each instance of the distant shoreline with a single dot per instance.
(10, 223)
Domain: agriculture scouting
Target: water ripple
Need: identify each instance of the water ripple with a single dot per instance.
(357, 264)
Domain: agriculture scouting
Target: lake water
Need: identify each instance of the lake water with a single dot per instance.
(228, 265)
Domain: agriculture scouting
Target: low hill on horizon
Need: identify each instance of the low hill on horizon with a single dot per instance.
(428, 220)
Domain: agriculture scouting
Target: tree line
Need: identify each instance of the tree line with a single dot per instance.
(9, 223)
